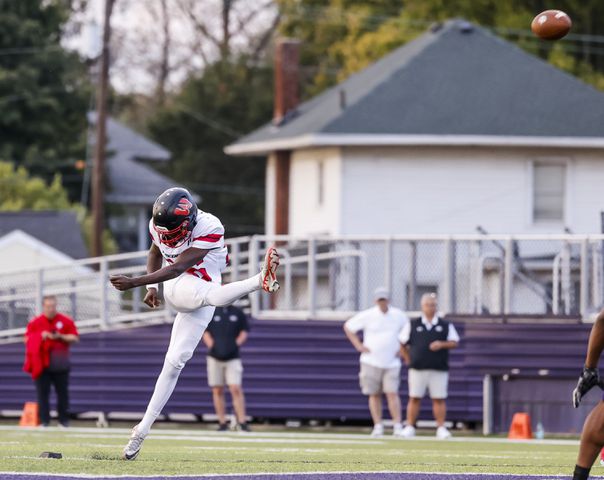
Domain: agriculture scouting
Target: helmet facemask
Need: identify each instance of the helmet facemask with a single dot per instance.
(176, 237)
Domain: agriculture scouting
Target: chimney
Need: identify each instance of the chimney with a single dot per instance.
(287, 61)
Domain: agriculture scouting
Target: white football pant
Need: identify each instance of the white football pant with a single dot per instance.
(195, 300)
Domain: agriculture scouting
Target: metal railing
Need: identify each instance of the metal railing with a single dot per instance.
(333, 277)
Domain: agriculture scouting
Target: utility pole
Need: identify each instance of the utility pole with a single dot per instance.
(98, 171)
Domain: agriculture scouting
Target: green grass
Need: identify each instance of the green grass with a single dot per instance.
(97, 451)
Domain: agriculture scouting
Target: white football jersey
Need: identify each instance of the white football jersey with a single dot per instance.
(208, 234)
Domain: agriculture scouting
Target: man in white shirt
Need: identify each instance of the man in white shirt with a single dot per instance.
(380, 361)
(426, 342)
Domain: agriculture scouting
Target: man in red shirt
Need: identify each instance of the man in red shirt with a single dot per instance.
(47, 338)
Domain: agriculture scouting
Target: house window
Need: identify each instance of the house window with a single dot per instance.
(549, 186)
(320, 183)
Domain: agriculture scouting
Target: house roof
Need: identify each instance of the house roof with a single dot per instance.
(130, 180)
(458, 84)
(58, 229)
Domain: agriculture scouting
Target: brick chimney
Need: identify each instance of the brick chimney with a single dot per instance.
(287, 61)
(287, 57)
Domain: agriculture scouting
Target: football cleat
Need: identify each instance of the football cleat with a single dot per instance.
(268, 273)
(135, 443)
(442, 433)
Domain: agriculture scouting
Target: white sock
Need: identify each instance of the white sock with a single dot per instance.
(224, 295)
(161, 394)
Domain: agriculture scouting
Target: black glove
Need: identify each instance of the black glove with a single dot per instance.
(590, 377)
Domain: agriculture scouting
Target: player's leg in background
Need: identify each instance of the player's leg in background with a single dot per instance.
(439, 409)
(592, 440)
(390, 385)
(187, 331)
(219, 404)
(216, 381)
(61, 383)
(375, 408)
(394, 406)
(234, 376)
(43, 393)
(413, 406)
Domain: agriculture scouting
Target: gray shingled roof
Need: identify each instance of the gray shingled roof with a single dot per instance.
(454, 81)
(129, 180)
(61, 230)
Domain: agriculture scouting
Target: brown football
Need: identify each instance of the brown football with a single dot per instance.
(551, 24)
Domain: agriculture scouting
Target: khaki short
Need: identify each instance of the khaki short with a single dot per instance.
(374, 380)
(224, 373)
(435, 381)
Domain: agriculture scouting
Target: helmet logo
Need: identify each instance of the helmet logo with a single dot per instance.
(183, 207)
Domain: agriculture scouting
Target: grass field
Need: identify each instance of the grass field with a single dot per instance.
(187, 452)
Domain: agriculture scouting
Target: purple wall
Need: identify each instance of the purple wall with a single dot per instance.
(298, 370)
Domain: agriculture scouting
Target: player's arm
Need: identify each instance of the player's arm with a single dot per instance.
(154, 263)
(590, 376)
(67, 337)
(241, 338)
(185, 260)
(208, 339)
(355, 340)
(404, 352)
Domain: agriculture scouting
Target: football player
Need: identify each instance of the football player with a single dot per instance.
(191, 244)
(592, 437)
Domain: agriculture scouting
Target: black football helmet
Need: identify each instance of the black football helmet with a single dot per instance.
(174, 216)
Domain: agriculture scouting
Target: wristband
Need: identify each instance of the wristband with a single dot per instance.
(152, 285)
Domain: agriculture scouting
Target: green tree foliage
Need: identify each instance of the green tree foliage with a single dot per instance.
(43, 91)
(230, 98)
(341, 37)
(19, 191)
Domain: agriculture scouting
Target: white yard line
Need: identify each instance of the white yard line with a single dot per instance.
(220, 436)
(281, 474)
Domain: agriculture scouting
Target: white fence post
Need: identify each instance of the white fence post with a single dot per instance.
(448, 304)
(388, 265)
(584, 284)
(312, 277)
(508, 276)
(253, 270)
(104, 279)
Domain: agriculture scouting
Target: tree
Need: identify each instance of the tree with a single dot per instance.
(212, 110)
(340, 37)
(19, 191)
(43, 91)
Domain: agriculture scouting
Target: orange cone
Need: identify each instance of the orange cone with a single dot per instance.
(520, 429)
(29, 417)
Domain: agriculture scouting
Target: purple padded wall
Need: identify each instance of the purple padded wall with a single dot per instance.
(293, 369)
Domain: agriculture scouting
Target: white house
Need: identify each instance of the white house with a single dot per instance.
(455, 130)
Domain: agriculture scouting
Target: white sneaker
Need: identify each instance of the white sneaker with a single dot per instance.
(268, 273)
(442, 433)
(408, 432)
(397, 430)
(378, 430)
(135, 443)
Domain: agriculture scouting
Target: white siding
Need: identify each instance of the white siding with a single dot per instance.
(307, 215)
(438, 190)
(587, 193)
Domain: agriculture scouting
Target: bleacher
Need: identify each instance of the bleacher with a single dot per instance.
(297, 369)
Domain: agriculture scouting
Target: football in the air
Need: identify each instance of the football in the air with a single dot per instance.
(551, 24)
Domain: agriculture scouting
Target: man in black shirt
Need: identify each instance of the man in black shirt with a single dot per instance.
(225, 334)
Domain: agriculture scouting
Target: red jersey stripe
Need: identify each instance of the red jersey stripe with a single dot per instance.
(212, 238)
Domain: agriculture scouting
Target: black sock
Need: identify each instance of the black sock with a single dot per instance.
(581, 473)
